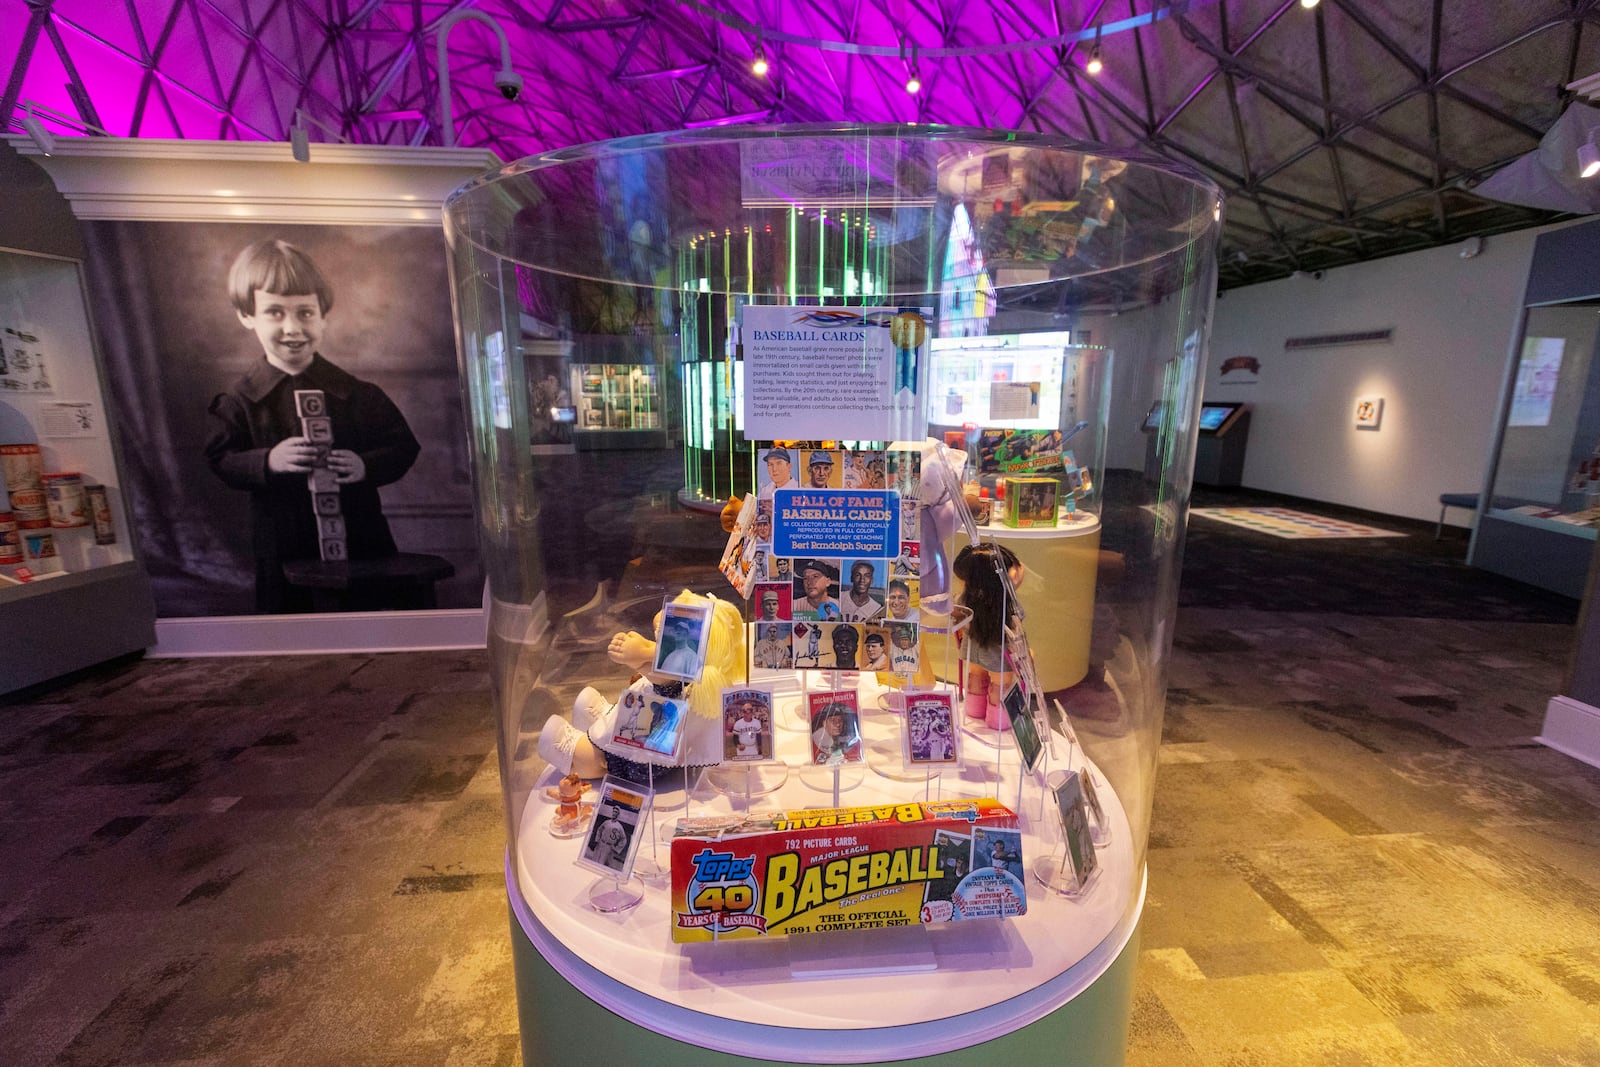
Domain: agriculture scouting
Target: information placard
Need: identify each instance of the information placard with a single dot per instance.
(816, 373)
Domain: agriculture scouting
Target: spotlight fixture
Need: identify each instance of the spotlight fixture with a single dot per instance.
(913, 81)
(1095, 65)
(759, 65)
(1309, 4)
(1588, 158)
(42, 138)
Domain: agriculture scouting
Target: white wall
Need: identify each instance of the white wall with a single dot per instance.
(1440, 376)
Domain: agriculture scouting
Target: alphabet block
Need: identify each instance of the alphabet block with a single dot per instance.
(326, 503)
(310, 403)
(317, 429)
(323, 480)
(334, 548)
(330, 527)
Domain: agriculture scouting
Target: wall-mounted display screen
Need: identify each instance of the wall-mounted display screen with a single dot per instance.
(1007, 381)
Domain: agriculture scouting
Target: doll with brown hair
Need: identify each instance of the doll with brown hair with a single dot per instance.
(585, 746)
(989, 573)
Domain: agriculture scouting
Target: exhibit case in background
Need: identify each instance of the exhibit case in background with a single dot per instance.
(803, 275)
(72, 592)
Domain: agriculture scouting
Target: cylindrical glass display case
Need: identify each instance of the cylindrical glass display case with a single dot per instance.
(862, 771)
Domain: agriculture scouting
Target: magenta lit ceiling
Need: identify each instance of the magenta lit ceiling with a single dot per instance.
(1350, 131)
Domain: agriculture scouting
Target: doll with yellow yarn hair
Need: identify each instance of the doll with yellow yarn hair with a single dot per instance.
(585, 746)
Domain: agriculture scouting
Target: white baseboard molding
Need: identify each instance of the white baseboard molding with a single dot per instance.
(1572, 727)
(282, 635)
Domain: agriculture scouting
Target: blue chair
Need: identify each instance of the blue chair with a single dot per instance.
(1468, 501)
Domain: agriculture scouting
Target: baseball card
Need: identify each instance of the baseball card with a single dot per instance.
(650, 722)
(1070, 805)
(818, 870)
(747, 725)
(1023, 727)
(681, 640)
(614, 836)
(931, 736)
(835, 728)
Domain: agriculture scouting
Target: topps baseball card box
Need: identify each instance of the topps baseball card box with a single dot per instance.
(821, 870)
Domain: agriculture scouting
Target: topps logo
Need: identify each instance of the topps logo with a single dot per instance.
(721, 867)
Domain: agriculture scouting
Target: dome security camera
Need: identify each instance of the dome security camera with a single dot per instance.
(509, 82)
(1317, 274)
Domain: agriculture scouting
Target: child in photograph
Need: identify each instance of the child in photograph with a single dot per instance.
(255, 443)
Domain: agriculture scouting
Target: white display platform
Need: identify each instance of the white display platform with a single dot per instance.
(729, 995)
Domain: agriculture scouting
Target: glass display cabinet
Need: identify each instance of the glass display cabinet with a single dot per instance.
(1538, 513)
(868, 778)
(72, 592)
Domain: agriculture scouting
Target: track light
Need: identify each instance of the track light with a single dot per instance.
(1095, 65)
(1309, 4)
(913, 81)
(759, 65)
(42, 138)
(1588, 158)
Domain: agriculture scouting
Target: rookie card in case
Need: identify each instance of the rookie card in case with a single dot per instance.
(819, 870)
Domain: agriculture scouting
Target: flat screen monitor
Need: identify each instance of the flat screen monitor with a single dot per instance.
(1215, 417)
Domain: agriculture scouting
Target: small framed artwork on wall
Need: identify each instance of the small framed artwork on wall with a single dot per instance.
(1369, 412)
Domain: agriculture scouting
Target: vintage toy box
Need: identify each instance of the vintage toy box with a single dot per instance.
(836, 869)
(1031, 502)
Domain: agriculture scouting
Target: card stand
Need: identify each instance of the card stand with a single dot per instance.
(886, 758)
(837, 778)
(748, 779)
(646, 866)
(611, 895)
(1055, 873)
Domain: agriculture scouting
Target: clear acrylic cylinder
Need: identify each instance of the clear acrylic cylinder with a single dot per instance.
(971, 338)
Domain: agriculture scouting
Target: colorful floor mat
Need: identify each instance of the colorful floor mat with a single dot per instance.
(1284, 522)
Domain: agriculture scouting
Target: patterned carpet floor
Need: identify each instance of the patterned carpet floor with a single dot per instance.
(1358, 854)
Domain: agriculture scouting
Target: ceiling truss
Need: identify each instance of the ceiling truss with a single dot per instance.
(1354, 130)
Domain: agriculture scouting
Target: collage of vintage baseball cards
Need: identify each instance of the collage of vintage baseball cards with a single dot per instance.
(848, 612)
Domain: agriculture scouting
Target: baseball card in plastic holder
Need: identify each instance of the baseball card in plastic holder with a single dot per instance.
(614, 836)
(1072, 808)
(681, 640)
(747, 725)
(650, 722)
(931, 738)
(835, 728)
(1023, 727)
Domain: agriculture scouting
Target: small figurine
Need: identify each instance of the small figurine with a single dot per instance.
(990, 573)
(586, 746)
(572, 813)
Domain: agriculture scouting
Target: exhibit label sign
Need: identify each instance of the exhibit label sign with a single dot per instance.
(820, 373)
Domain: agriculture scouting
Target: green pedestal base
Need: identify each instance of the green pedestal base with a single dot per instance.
(562, 1026)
